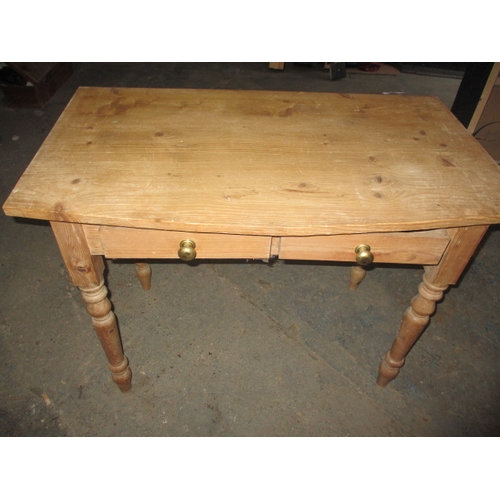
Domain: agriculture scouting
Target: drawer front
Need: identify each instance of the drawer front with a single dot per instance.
(129, 243)
(416, 247)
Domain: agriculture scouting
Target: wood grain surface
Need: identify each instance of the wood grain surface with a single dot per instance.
(259, 163)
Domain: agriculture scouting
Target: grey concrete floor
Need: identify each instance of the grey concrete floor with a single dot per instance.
(231, 348)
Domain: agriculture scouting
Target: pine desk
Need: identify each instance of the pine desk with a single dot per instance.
(174, 173)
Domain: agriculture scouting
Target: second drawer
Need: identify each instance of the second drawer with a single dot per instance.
(415, 247)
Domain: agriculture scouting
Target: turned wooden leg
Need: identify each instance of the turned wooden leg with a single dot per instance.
(357, 275)
(86, 272)
(104, 323)
(463, 243)
(143, 272)
(414, 322)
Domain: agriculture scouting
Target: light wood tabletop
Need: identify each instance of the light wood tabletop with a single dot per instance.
(184, 173)
(259, 162)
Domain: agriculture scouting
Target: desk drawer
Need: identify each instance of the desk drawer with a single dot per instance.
(128, 243)
(415, 247)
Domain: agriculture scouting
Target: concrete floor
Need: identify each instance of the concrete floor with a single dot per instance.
(232, 349)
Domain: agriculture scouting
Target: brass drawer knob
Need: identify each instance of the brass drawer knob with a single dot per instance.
(363, 255)
(187, 250)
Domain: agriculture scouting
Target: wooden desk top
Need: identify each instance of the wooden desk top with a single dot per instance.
(259, 162)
